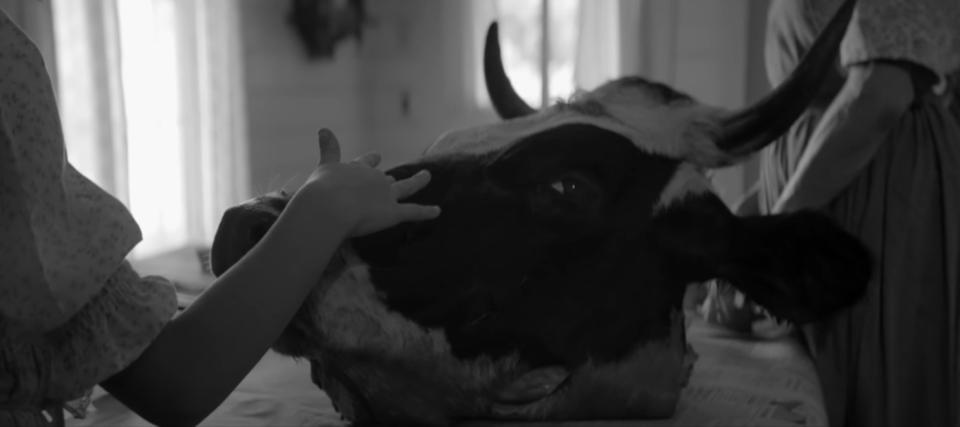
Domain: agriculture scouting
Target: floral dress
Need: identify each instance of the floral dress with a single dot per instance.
(893, 358)
(72, 310)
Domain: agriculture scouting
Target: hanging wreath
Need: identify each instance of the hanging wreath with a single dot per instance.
(322, 24)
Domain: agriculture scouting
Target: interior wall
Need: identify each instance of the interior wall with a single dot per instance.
(410, 78)
(700, 47)
(393, 93)
(289, 98)
(416, 76)
(709, 49)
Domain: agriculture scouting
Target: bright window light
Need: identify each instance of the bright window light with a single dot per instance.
(539, 75)
(152, 107)
(564, 34)
(520, 45)
(155, 155)
(143, 165)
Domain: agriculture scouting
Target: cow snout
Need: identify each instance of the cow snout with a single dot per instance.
(241, 227)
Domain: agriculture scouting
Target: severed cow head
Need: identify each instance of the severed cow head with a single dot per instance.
(551, 285)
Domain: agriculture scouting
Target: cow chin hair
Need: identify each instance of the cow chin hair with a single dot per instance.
(346, 313)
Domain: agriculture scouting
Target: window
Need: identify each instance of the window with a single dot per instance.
(156, 149)
(150, 111)
(550, 48)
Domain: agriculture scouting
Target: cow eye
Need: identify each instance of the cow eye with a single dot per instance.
(574, 187)
(568, 197)
(564, 186)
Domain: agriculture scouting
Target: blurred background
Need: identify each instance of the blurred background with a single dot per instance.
(182, 108)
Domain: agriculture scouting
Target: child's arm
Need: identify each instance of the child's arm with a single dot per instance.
(203, 354)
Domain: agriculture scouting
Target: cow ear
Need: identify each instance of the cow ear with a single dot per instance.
(800, 266)
(242, 227)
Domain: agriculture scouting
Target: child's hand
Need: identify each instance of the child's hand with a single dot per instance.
(361, 196)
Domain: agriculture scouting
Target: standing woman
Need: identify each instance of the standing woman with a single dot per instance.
(880, 153)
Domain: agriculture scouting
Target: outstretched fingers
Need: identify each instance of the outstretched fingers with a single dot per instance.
(408, 186)
(369, 159)
(415, 212)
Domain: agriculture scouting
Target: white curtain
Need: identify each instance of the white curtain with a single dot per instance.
(152, 105)
(598, 43)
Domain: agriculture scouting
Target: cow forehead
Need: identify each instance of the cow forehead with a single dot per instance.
(672, 126)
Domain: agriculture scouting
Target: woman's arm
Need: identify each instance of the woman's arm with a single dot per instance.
(872, 100)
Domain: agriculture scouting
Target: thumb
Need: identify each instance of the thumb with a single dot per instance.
(329, 147)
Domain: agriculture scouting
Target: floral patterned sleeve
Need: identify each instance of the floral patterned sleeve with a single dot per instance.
(73, 312)
(61, 235)
(924, 32)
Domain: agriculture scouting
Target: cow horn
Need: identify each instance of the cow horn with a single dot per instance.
(757, 126)
(506, 101)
